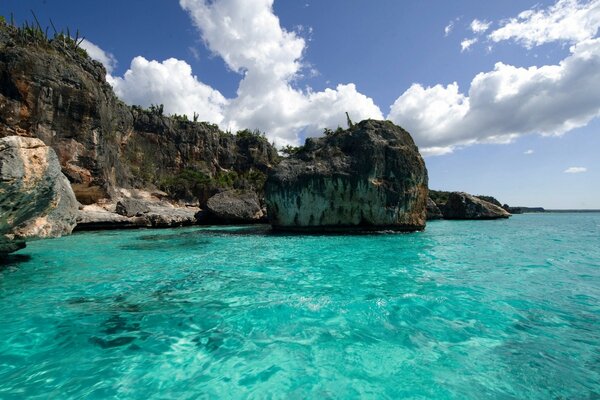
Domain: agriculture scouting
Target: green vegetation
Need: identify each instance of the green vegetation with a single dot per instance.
(349, 121)
(439, 197)
(178, 117)
(290, 150)
(251, 134)
(33, 33)
(157, 109)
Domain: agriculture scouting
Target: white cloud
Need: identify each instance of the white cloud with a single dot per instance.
(448, 29)
(479, 27)
(436, 151)
(247, 35)
(170, 83)
(96, 53)
(570, 21)
(575, 170)
(528, 152)
(505, 103)
(467, 43)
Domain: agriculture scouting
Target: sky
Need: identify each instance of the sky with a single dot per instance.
(502, 97)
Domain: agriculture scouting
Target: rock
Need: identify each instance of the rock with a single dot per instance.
(159, 215)
(490, 199)
(36, 200)
(93, 218)
(59, 95)
(171, 218)
(87, 194)
(462, 205)
(131, 207)
(233, 207)
(369, 177)
(433, 211)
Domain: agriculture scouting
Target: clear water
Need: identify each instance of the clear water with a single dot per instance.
(465, 310)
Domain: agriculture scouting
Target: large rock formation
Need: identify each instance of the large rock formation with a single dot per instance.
(50, 89)
(369, 177)
(233, 207)
(464, 206)
(433, 211)
(36, 199)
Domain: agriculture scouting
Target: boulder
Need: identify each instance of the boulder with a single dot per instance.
(159, 215)
(233, 207)
(36, 199)
(462, 205)
(368, 177)
(131, 207)
(433, 211)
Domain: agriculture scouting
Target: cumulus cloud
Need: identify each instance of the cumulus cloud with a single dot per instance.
(575, 170)
(247, 35)
(96, 53)
(467, 43)
(170, 83)
(569, 21)
(479, 27)
(505, 103)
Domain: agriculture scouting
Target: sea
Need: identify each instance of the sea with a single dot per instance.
(505, 309)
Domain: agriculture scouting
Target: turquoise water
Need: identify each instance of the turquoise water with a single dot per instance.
(465, 310)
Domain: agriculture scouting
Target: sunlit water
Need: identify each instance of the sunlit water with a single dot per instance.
(465, 310)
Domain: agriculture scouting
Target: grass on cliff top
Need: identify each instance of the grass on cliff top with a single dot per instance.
(32, 33)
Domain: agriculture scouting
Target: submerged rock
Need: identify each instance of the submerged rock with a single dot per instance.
(462, 205)
(36, 199)
(368, 177)
(233, 207)
(433, 211)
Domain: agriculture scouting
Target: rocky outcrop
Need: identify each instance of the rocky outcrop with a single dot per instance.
(136, 209)
(462, 205)
(131, 207)
(433, 211)
(36, 200)
(51, 90)
(233, 207)
(368, 177)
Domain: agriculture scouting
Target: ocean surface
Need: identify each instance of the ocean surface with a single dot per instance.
(504, 309)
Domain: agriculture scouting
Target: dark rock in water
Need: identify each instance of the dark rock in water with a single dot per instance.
(368, 177)
(36, 200)
(465, 206)
(131, 207)
(433, 211)
(233, 206)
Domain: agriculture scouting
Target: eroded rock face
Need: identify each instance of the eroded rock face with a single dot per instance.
(462, 205)
(36, 199)
(369, 177)
(233, 206)
(433, 211)
(61, 96)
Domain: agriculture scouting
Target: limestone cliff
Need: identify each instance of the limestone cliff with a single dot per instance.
(368, 177)
(50, 89)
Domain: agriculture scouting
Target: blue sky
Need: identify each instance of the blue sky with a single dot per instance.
(501, 97)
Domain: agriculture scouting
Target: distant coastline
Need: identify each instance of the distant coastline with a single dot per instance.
(573, 211)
